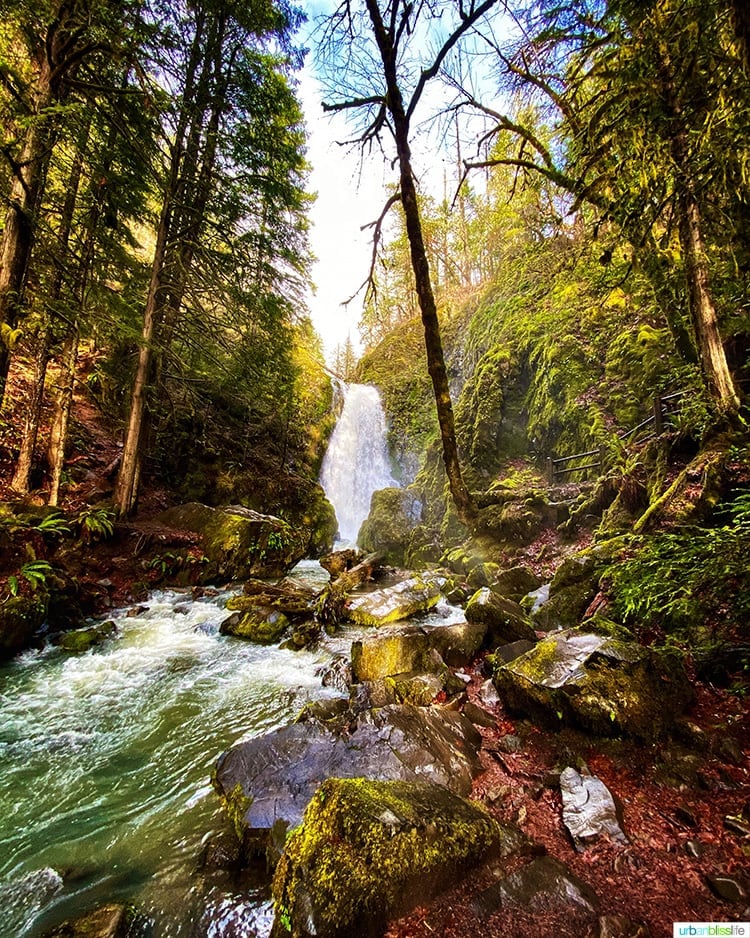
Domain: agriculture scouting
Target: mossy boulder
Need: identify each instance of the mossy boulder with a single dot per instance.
(393, 514)
(398, 649)
(505, 620)
(395, 603)
(266, 782)
(80, 640)
(598, 683)
(515, 583)
(317, 523)
(368, 851)
(414, 687)
(573, 587)
(238, 542)
(21, 617)
(259, 624)
(108, 921)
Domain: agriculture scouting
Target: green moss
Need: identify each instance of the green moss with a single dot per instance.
(366, 850)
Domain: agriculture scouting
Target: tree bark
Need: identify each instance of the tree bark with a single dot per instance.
(428, 308)
(59, 431)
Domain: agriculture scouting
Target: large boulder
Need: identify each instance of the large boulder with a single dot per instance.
(259, 624)
(573, 587)
(588, 809)
(505, 620)
(393, 514)
(601, 684)
(397, 649)
(108, 921)
(394, 603)
(368, 851)
(238, 543)
(269, 780)
(20, 618)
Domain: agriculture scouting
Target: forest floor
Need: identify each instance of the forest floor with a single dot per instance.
(684, 806)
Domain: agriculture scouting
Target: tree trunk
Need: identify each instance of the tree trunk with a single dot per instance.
(703, 313)
(741, 15)
(18, 232)
(431, 325)
(22, 473)
(59, 431)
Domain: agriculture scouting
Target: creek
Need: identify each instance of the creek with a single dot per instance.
(105, 759)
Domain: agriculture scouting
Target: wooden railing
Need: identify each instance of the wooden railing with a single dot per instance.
(664, 407)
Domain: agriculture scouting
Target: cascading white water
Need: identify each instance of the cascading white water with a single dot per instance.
(356, 462)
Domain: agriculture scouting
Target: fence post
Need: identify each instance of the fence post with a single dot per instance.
(658, 420)
(602, 459)
(550, 470)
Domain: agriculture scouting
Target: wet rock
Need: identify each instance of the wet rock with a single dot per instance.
(601, 684)
(394, 603)
(369, 851)
(513, 650)
(421, 690)
(588, 809)
(238, 542)
(337, 674)
(394, 513)
(457, 644)
(270, 779)
(516, 583)
(108, 921)
(728, 887)
(483, 574)
(81, 640)
(509, 743)
(340, 561)
(694, 848)
(23, 897)
(392, 651)
(618, 926)
(505, 620)
(287, 596)
(540, 884)
(258, 624)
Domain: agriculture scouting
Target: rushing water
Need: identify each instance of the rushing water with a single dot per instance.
(356, 462)
(105, 760)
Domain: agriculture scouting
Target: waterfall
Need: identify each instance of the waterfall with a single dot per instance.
(356, 462)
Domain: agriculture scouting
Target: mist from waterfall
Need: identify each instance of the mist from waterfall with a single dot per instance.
(356, 462)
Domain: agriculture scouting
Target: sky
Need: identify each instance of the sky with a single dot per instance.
(346, 200)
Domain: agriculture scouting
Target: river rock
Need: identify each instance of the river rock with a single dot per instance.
(426, 648)
(108, 921)
(81, 640)
(394, 603)
(257, 624)
(238, 542)
(505, 620)
(23, 897)
(269, 780)
(601, 684)
(369, 851)
(539, 885)
(588, 809)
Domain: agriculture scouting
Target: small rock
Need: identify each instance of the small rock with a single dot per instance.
(513, 650)
(478, 715)
(589, 810)
(509, 743)
(685, 816)
(540, 884)
(727, 887)
(736, 826)
(135, 611)
(731, 751)
(694, 848)
(617, 926)
(488, 694)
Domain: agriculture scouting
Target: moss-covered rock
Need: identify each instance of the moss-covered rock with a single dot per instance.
(80, 640)
(258, 624)
(394, 513)
(394, 603)
(505, 620)
(108, 921)
(393, 651)
(20, 618)
(515, 583)
(606, 686)
(238, 542)
(368, 851)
